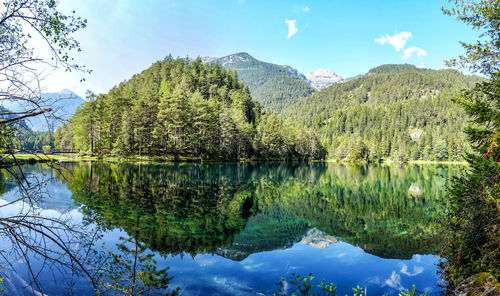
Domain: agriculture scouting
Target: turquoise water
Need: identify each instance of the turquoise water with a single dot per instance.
(234, 229)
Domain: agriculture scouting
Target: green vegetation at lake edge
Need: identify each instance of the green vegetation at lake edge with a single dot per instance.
(472, 252)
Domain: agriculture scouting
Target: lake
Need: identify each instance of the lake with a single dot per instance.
(237, 229)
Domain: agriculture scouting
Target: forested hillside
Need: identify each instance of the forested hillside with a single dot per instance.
(183, 108)
(201, 110)
(396, 111)
(27, 140)
(274, 86)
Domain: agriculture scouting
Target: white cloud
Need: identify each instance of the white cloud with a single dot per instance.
(421, 66)
(305, 9)
(397, 40)
(407, 53)
(292, 27)
(253, 266)
(231, 286)
(394, 281)
(416, 270)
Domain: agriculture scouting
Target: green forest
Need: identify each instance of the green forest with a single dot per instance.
(187, 108)
(181, 108)
(394, 111)
(59, 217)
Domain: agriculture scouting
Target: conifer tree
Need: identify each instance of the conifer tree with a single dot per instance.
(474, 198)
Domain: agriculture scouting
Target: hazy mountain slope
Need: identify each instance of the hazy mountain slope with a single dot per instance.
(63, 105)
(274, 86)
(281, 91)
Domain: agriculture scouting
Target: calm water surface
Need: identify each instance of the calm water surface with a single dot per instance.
(233, 229)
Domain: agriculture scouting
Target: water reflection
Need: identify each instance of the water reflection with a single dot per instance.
(227, 217)
(236, 210)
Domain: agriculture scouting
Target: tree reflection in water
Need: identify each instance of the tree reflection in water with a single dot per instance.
(235, 210)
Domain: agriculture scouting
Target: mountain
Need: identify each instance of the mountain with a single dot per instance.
(380, 113)
(6, 114)
(396, 69)
(274, 86)
(63, 105)
(244, 61)
(322, 78)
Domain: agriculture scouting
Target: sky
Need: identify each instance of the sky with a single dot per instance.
(124, 37)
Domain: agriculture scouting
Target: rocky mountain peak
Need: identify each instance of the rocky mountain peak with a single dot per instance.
(322, 78)
(235, 58)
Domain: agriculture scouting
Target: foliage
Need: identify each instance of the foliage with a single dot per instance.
(20, 22)
(484, 55)
(303, 285)
(281, 91)
(29, 236)
(177, 107)
(32, 141)
(43, 17)
(383, 110)
(413, 292)
(133, 271)
(474, 198)
(20, 136)
(440, 150)
(46, 149)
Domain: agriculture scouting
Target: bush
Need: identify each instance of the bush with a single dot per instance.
(47, 149)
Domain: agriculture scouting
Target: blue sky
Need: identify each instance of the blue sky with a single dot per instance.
(124, 37)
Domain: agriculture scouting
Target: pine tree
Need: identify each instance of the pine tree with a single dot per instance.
(474, 206)
(203, 124)
(173, 117)
(441, 150)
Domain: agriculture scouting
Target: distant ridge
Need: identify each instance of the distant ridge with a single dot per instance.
(274, 86)
(63, 104)
(395, 69)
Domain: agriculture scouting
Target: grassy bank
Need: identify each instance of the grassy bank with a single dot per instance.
(24, 158)
(31, 158)
(389, 161)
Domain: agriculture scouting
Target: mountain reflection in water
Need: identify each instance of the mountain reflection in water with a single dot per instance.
(236, 210)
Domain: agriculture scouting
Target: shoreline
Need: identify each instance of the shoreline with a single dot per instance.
(38, 157)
